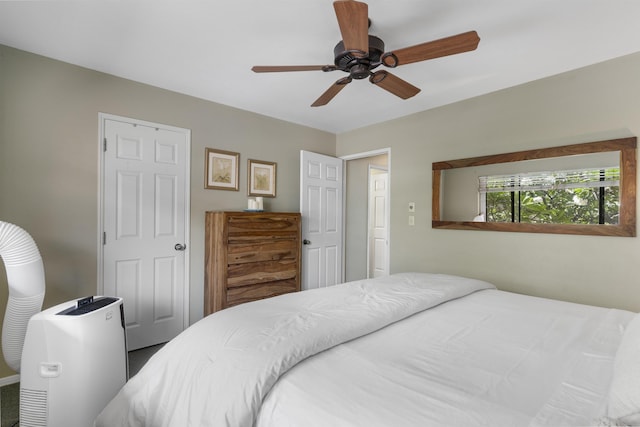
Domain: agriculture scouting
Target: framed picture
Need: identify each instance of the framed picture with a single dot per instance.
(221, 170)
(262, 178)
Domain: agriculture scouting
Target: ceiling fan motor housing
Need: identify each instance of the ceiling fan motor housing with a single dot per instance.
(359, 67)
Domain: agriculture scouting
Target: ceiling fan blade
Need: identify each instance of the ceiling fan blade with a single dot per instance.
(464, 42)
(353, 19)
(281, 68)
(331, 92)
(393, 84)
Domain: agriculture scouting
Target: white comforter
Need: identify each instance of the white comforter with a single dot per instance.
(219, 370)
(492, 358)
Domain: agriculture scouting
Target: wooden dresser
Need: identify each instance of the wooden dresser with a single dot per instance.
(250, 256)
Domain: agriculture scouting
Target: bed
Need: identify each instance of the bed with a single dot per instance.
(410, 349)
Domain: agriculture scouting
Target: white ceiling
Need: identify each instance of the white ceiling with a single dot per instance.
(207, 48)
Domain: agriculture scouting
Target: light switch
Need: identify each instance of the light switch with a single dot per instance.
(412, 220)
(412, 206)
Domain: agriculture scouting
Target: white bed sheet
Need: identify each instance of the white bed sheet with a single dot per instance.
(491, 358)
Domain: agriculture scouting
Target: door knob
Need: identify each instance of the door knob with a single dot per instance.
(306, 242)
(180, 247)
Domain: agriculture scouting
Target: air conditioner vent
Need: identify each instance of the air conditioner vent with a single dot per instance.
(33, 408)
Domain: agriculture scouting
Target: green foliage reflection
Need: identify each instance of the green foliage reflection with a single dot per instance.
(555, 206)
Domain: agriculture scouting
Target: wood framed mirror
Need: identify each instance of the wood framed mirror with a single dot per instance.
(447, 187)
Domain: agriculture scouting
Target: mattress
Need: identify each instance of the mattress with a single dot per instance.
(411, 349)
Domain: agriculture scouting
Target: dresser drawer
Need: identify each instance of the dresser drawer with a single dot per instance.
(261, 225)
(261, 272)
(243, 252)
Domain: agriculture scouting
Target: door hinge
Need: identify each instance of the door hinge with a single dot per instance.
(104, 144)
(104, 237)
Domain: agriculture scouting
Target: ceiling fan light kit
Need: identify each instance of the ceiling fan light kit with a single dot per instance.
(359, 53)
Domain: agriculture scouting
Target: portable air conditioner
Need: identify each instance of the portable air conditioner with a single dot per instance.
(74, 361)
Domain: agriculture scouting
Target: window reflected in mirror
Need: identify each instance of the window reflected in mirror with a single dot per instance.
(577, 189)
(583, 196)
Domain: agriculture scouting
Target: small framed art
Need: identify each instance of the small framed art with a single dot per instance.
(262, 178)
(221, 169)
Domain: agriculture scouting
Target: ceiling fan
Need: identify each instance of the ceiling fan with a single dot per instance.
(359, 53)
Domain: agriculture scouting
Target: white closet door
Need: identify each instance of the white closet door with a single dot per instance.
(145, 216)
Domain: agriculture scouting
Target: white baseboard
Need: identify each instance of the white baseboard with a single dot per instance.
(12, 379)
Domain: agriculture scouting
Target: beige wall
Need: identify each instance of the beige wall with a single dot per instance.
(49, 162)
(594, 103)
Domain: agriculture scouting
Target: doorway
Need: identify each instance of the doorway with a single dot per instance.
(367, 255)
(143, 254)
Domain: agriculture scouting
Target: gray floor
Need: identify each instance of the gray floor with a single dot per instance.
(9, 395)
(138, 358)
(9, 405)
